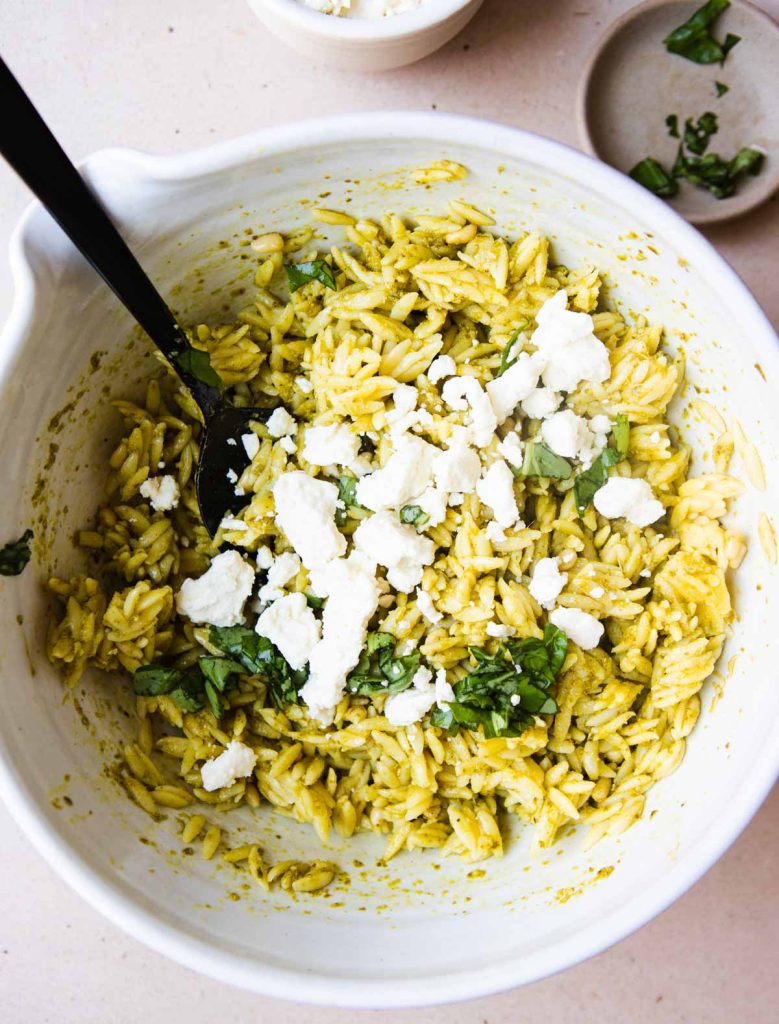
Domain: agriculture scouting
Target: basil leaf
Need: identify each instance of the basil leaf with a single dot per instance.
(507, 359)
(15, 555)
(413, 515)
(542, 461)
(218, 670)
(693, 39)
(747, 161)
(716, 175)
(591, 480)
(314, 602)
(379, 669)
(697, 135)
(299, 274)
(347, 493)
(197, 363)
(721, 89)
(214, 700)
(155, 680)
(672, 124)
(190, 692)
(525, 669)
(649, 173)
(259, 656)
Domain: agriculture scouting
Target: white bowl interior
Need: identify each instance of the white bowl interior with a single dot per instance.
(418, 930)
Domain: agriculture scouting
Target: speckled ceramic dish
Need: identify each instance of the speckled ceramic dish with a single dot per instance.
(632, 83)
(422, 929)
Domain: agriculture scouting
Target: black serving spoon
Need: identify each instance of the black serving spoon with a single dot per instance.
(37, 157)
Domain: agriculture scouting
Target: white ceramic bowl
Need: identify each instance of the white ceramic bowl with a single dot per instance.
(362, 44)
(408, 933)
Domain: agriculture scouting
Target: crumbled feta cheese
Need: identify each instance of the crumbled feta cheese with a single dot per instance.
(456, 498)
(162, 492)
(547, 581)
(597, 592)
(251, 444)
(512, 450)
(263, 555)
(645, 573)
(333, 444)
(541, 402)
(461, 393)
(579, 626)
(352, 593)
(495, 533)
(283, 569)
(232, 476)
(291, 625)
(305, 510)
(236, 761)
(497, 629)
(304, 385)
(406, 475)
(413, 704)
(457, 468)
(426, 606)
(288, 444)
(230, 440)
(403, 416)
(654, 437)
(280, 423)
(633, 499)
(513, 386)
(433, 503)
(496, 489)
(567, 347)
(515, 699)
(398, 547)
(441, 366)
(218, 596)
(569, 435)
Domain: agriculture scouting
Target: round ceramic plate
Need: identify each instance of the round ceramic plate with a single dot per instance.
(633, 83)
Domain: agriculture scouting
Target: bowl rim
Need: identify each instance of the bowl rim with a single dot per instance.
(360, 30)
(109, 894)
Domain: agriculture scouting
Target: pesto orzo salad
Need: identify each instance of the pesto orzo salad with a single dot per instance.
(471, 581)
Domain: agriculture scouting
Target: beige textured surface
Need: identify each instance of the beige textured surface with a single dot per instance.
(169, 75)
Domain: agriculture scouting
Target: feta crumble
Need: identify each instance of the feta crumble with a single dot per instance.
(547, 581)
(567, 347)
(305, 511)
(279, 423)
(426, 606)
(629, 498)
(406, 475)
(291, 625)
(461, 393)
(236, 761)
(283, 569)
(162, 492)
(541, 402)
(570, 435)
(457, 469)
(513, 386)
(333, 444)
(512, 450)
(497, 629)
(441, 366)
(399, 548)
(413, 704)
(581, 627)
(496, 489)
(251, 444)
(218, 596)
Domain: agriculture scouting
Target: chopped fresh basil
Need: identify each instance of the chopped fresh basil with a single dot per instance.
(651, 174)
(413, 515)
(697, 135)
(15, 555)
(314, 602)
(542, 461)
(721, 89)
(719, 177)
(525, 669)
(218, 670)
(347, 493)
(507, 357)
(694, 41)
(299, 274)
(259, 656)
(197, 363)
(154, 680)
(190, 689)
(591, 480)
(189, 694)
(379, 668)
(672, 124)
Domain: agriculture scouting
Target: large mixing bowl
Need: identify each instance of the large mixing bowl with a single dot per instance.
(411, 932)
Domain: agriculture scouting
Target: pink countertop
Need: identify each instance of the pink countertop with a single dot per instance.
(98, 72)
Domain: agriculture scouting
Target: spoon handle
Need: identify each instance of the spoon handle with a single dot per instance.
(39, 160)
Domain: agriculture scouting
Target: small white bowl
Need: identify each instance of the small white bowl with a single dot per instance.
(366, 44)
